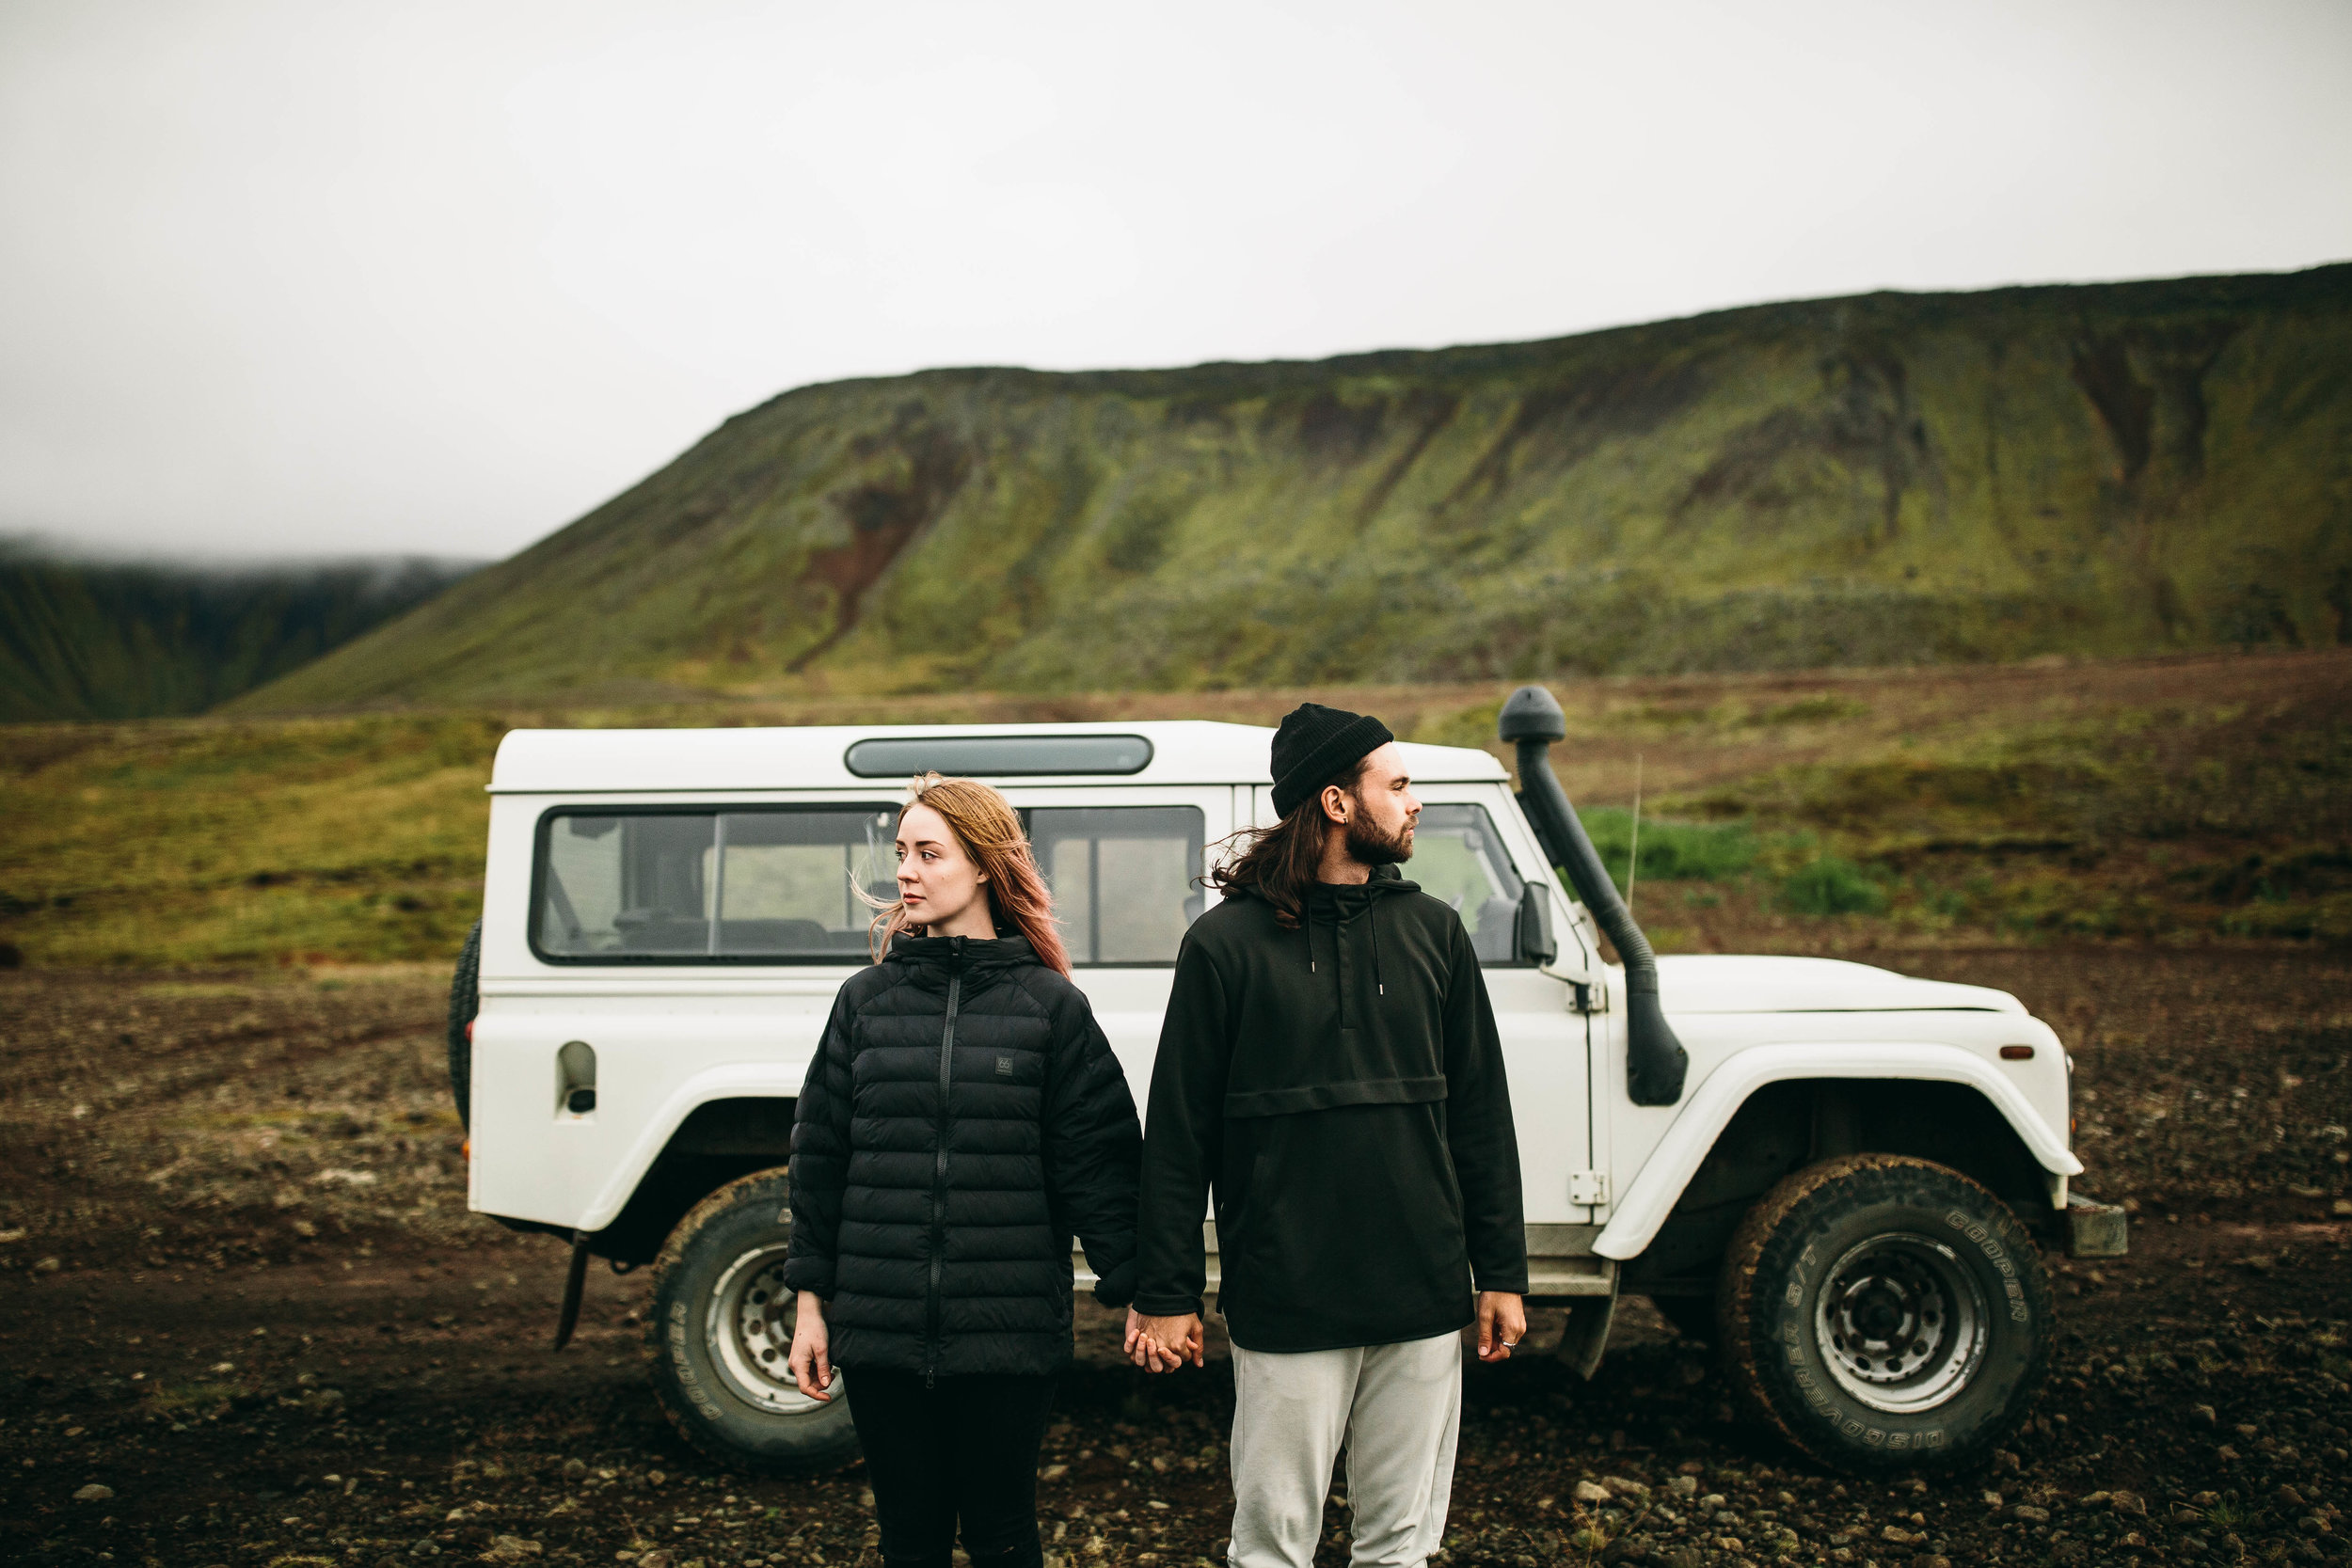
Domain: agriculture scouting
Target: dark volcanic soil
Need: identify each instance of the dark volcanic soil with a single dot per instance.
(248, 1321)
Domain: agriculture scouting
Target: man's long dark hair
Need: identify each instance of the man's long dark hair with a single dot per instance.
(1280, 863)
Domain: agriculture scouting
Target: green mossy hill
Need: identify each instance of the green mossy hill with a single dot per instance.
(1887, 480)
(84, 641)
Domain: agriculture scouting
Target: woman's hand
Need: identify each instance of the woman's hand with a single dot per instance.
(811, 1368)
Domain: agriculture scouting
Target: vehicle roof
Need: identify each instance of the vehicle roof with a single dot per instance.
(1183, 752)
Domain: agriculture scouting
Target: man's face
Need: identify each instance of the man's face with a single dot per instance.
(1382, 811)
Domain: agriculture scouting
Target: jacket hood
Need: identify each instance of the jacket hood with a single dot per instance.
(1385, 878)
(939, 955)
(1338, 904)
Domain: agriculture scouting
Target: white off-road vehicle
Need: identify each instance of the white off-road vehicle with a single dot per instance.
(1841, 1175)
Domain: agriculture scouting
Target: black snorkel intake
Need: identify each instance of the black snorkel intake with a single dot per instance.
(1655, 1062)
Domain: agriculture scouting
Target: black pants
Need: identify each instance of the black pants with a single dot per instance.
(965, 1449)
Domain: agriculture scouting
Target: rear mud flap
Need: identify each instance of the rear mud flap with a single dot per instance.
(1586, 1338)
(575, 1286)
(2095, 1229)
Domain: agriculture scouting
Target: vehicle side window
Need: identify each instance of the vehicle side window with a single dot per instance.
(1458, 857)
(773, 886)
(1124, 878)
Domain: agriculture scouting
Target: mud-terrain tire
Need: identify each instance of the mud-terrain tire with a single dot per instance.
(721, 1330)
(1885, 1313)
(464, 1003)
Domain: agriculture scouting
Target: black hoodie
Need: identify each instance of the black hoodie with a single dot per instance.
(1341, 1085)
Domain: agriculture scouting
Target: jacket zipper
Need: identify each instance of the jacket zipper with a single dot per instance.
(939, 1162)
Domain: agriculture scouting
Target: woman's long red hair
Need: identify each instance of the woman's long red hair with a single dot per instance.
(989, 829)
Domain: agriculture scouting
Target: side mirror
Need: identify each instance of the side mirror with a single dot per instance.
(1533, 936)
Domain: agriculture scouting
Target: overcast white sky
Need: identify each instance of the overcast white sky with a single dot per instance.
(305, 277)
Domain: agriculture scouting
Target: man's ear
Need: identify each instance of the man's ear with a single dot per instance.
(1331, 800)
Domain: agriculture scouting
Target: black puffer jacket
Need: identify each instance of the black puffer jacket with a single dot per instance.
(963, 1118)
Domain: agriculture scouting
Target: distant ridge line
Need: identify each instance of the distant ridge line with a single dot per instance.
(2083, 469)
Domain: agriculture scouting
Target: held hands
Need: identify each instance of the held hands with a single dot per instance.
(1164, 1345)
(1502, 1323)
(812, 1366)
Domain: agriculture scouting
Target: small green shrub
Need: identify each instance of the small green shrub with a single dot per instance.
(1832, 885)
(1671, 851)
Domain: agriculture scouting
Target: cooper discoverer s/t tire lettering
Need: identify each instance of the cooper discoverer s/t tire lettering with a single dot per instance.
(1884, 1313)
(721, 1333)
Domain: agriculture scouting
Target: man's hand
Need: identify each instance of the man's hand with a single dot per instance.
(811, 1364)
(1502, 1323)
(1164, 1345)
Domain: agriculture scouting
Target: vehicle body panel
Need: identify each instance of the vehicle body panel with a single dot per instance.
(1669, 1162)
(2033, 1095)
(669, 1037)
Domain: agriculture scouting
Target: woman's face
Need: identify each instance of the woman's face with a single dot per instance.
(942, 886)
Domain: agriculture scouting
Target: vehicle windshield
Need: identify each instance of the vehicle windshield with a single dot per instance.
(1458, 857)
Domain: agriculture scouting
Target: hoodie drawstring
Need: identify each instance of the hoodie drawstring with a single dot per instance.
(1372, 907)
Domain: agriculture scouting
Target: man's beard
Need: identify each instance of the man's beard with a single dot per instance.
(1367, 845)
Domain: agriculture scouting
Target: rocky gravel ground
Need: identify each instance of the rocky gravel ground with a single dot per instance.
(246, 1320)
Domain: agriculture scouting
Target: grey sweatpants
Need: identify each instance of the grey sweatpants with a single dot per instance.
(1398, 1407)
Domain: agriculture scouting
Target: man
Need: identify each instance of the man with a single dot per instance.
(1329, 1063)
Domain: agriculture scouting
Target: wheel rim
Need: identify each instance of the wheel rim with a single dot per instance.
(1901, 1322)
(749, 1331)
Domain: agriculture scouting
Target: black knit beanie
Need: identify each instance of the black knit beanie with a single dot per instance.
(1316, 745)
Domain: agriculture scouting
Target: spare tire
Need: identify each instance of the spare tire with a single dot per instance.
(465, 1002)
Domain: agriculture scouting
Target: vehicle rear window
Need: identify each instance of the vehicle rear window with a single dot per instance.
(780, 885)
(1125, 878)
(771, 886)
(1457, 857)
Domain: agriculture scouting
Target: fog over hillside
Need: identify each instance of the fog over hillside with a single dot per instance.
(83, 636)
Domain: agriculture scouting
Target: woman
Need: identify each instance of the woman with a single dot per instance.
(964, 1117)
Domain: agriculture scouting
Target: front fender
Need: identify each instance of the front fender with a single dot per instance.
(1651, 1195)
